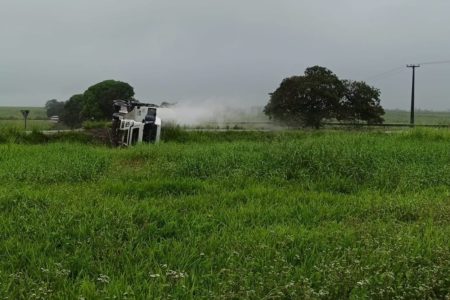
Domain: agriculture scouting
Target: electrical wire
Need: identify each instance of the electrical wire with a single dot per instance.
(398, 69)
(385, 74)
(435, 62)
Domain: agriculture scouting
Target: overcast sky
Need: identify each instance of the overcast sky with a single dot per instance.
(226, 51)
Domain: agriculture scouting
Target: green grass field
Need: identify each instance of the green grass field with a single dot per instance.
(31, 124)
(422, 117)
(13, 113)
(11, 118)
(232, 215)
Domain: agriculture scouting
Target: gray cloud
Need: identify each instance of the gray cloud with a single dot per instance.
(226, 51)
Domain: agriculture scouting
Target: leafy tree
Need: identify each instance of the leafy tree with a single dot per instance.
(318, 95)
(72, 111)
(54, 107)
(361, 102)
(98, 99)
(307, 100)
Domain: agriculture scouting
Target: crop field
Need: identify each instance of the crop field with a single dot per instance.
(228, 215)
(11, 118)
(422, 117)
(13, 113)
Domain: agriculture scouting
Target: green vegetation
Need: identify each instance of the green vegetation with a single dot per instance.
(72, 111)
(318, 95)
(318, 215)
(31, 124)
(54, 108)
(96, 124)
(98, 99)
(96, 103)
(16, 136)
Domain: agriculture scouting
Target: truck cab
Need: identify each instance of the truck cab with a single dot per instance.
(135, 122)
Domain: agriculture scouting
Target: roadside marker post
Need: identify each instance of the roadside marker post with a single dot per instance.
(25, 113)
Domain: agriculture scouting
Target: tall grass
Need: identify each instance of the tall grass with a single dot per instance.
(31, 124)
(293, 215)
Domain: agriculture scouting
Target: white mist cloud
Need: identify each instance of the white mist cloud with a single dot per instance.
(192, 113)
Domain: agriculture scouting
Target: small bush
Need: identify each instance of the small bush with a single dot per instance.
(96, 124)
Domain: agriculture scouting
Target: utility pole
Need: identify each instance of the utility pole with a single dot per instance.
(413, 67)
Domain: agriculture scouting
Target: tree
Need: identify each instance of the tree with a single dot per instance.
(98, 99)
(318, 95)
(307, 100)
(54, 108)
(361, 102)
(72, 111)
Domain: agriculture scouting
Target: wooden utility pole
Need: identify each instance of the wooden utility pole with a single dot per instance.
(413, 67)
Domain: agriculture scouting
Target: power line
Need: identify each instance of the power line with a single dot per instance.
(384, 74)
(413, 67)
(397, 69)
(438, 62)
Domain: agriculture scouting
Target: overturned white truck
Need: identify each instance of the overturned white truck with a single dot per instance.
(135, 122)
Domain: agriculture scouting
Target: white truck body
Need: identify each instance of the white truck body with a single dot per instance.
(135, 122)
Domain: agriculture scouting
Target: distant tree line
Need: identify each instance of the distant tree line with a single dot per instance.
(96, 103)
(306, 100)
(319, 95)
